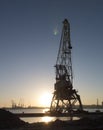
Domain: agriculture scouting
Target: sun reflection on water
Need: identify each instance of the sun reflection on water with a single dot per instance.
(47, 119)
(45, 110)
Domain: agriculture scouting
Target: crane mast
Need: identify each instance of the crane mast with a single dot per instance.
(65, 98)
(63, 63)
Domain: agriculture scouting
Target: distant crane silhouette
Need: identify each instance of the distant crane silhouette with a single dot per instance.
(65, 98)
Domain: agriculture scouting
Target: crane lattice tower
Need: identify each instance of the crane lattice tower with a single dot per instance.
(65, 98)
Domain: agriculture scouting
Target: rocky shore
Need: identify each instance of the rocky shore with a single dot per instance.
(9, 121)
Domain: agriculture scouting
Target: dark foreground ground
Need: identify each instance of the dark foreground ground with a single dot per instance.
(9, 121)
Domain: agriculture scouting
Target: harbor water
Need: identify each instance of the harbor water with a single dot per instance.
(45, 119)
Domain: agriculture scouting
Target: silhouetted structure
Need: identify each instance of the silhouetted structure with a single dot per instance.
(65, 98)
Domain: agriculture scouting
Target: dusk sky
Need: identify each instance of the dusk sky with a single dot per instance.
(30, 32)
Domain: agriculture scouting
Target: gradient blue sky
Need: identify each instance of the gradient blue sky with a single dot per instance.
(28, 48)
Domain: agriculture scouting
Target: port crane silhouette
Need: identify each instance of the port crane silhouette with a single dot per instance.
(65, 98)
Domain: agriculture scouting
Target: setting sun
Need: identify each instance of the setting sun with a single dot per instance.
(45, 99)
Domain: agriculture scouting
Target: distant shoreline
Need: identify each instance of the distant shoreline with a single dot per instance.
(36, 107)
(25, 108)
